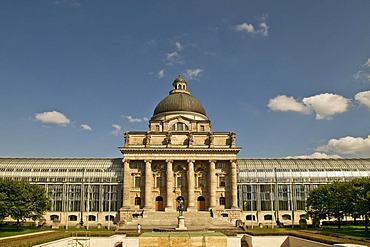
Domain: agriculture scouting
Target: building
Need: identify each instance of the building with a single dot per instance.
(179, 156)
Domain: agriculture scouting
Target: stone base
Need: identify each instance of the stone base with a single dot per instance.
(181, 223)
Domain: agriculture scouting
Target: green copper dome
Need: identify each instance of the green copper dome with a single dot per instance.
(179, 100)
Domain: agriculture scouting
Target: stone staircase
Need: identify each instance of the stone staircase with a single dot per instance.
(201, 220)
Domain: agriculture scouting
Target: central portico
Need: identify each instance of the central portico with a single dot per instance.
(179, 156)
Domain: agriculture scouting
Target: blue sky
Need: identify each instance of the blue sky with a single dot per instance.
(291, 78)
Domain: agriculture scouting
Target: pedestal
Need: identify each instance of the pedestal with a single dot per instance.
(181, 223)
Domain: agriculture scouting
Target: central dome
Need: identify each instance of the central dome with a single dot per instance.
(179, 100)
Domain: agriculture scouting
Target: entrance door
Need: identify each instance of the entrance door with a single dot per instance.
(159, 204)
(201, 204)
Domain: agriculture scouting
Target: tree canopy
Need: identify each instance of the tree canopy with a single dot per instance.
(338, 199)
(21, 200)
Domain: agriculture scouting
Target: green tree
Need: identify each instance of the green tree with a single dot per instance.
(361, 192)
(23, 200)
(331, 200)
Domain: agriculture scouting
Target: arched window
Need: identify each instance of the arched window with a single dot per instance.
(109, 218)
(54, 217)
(250, 217)
(180, 127)
(267, 217)
(92, 218)
(137, 201)
(287, 217)
(222, 201)
(72, 217)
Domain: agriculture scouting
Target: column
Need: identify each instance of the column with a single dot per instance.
(169, 186)
(212, 184)
(148, 204)
(234, 189)
(191, 185)
(126, 184)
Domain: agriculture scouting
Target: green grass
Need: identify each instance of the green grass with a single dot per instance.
(7, 231)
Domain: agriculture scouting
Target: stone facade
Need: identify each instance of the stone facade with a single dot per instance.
(179, 156)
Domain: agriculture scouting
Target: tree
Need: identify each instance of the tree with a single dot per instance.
(23, 200)
(331, 200)
(361, 192)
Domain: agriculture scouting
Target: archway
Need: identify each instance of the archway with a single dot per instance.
(159, 203)
(201, 203)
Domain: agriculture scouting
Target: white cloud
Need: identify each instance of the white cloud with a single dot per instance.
(363, 98)
(326, 105)
(116, 129)
(161, 74)
(347, 145)
(132, 119)
(250, 29)
(86, 127)
(363, 74)
(285, 103)
(193, 73)
(173, 56)
(367, 64)
(179, 46)
(245, 27)
(52, 117)
(315, 155)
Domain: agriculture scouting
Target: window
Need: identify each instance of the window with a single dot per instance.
(137, 201)
(72, 218)
(137, 182)
(54, 217)
(92, 218)
(159, 182)
(109, 218)
(180, 127)
(157, 128)
(221, 181)
(222, 201)
(220, 165)
(202, 128)
(179, 182)
(287, 217)
(200, 181)
(267, 217)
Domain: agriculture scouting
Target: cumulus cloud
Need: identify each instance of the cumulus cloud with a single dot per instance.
(116, 129)
(161, 74)
(316, 155)
(193, 73)
(285, 103)
(347, 145)
(363, 98)
(86, 127)
(324, 105)
(178, 46)
(250, 28)
(52, 117)
(132, 119)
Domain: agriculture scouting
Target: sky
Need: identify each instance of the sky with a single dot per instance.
(290, 78)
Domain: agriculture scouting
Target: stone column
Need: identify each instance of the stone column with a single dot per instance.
(191, 185)
(126, 184)
(212, 184)
(234, 189)
(148, 204)
(169, 186)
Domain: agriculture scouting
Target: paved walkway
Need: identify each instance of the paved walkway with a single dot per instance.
(26, 234)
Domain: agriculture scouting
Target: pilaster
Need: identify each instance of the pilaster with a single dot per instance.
(191, 185)
(169, 186)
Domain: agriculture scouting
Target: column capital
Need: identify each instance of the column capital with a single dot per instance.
(191, 161)
(126, 161)
(212, 161)
(148, 161)
(169, 161)
(233, 161)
